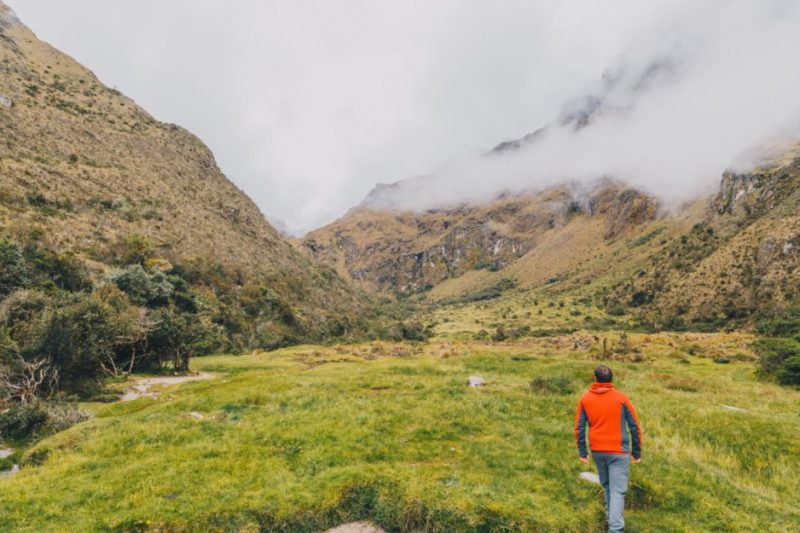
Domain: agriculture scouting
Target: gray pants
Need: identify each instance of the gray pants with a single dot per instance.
(613, 471)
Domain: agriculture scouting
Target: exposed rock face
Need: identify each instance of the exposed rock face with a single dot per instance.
(405, 252)
(617, 92)
(5, 101)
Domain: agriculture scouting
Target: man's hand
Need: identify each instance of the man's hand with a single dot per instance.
(584, 460)
(636, 460)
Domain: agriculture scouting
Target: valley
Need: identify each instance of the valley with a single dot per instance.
(170, 362)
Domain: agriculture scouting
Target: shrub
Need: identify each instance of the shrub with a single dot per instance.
(151, 289)
(551, 385)
(49, 269)
(500, 335)
(176, 338)
(79, 338)
(30, 421)
(22, 421)
(13, 269)
(63, 416)
(790, 373)
(785, 325)
(774, 353)
(414, 331)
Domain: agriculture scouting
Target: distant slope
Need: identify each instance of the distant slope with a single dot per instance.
(407, 252)
(84, 170)
(742, 259)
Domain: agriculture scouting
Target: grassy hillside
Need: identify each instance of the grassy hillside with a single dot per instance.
(405, 252)
(86, 173)
(740, 261)
(306, 438)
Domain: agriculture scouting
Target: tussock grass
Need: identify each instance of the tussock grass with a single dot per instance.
(286, 444)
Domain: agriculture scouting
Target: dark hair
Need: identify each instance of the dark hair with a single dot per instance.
(603, 374)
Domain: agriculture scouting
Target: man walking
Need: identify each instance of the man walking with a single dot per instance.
(610, 416)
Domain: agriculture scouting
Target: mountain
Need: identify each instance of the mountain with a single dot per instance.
(407, 252)
(713, 261)
(741, 260)
(87, 173)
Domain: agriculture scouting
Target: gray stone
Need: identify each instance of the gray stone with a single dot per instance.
(357, 527)
(5, 452)
(591, 477)
(476, 381)
(196, 415)
(5, 101)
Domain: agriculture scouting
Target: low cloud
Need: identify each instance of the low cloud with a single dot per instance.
(710, 87)
(307, 105)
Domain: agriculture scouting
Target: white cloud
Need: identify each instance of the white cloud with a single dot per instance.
(308, 104)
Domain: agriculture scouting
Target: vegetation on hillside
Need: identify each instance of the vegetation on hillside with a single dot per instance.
(65, 332)
(731, 269)
(779, 347)
(89, 176)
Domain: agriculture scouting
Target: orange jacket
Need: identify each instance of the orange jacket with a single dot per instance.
(607, 411)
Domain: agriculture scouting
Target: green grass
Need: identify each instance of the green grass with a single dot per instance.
(306, 438)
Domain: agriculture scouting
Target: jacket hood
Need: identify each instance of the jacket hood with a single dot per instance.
(601, 388)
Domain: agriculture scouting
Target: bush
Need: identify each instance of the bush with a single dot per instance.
(414, 331)
(13, 269)
(785, 325)
(790, 373)
(551, 385)
(774, 353)
(22, 422)
(31, 421)
(142, 287)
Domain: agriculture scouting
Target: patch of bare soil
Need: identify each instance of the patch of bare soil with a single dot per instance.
(357, 527)
(142, 387)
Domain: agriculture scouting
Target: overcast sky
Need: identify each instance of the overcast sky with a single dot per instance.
(308, 104)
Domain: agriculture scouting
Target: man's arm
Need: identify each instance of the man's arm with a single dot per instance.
(636, 430)
(580, 431)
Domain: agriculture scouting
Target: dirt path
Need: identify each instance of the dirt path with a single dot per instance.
(357, 527)
(142, 387)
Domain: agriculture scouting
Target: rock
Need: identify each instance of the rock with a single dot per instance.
(591, 477)
(357, 527)
(476, 381)
(196, 415)
(5, 452)
(5, 101)
(732, 408)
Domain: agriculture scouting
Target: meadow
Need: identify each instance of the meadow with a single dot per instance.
(310, 437)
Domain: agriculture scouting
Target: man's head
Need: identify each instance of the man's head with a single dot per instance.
(602, 374)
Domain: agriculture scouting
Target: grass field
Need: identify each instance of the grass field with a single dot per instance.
(310, 437)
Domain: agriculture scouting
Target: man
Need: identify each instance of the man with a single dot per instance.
(610, 416)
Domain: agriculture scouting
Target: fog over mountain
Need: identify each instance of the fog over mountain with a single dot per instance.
(669, 116)
(308, 105)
